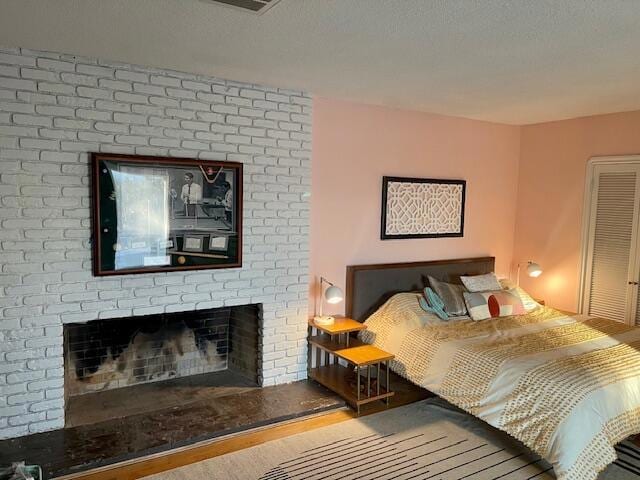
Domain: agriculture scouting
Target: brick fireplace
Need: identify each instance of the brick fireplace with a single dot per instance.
(55, 109)
(109, 354)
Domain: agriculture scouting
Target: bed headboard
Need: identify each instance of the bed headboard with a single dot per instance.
(369, 286)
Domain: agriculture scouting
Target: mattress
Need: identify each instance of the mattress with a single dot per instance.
(566, 386)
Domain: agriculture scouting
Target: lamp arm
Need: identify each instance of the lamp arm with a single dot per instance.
(322, 291)
(532, 272)
(320, 296)
(322, 279)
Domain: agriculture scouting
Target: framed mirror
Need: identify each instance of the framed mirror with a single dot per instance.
(157, 214)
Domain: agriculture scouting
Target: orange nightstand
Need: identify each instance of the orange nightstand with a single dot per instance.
(336, 357)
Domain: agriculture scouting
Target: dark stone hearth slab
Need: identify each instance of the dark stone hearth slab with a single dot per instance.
(148, 397)
(84, 447)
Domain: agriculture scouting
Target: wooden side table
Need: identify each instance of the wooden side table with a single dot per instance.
(337, 356)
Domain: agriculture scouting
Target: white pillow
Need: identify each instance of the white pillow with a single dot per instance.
(527, 300)
(481, 283)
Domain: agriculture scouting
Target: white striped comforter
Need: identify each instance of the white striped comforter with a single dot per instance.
(567, 387)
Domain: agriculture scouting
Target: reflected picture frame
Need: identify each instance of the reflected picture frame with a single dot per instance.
(193, 243)
(218, 243)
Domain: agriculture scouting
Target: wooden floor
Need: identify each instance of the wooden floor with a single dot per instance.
(405, 393)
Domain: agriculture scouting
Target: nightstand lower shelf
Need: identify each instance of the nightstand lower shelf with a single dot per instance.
(345, 365)
(343, 380)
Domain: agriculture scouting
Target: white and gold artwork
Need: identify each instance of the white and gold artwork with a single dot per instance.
(422, 208)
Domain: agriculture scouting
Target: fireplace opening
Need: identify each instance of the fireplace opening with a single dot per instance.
(172, 357)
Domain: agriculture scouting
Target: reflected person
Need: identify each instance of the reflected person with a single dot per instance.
(191, 195)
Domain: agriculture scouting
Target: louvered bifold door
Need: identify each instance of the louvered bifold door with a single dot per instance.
(612, 266)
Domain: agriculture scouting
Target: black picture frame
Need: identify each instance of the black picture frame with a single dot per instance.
(144, 207)
(188, 238)
(384, 214)
(217, 248)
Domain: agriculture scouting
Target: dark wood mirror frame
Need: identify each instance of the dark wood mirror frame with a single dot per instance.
(189, 258)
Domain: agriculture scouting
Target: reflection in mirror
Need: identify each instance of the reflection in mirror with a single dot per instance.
(142, 209)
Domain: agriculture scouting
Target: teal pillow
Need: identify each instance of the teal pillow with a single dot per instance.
(433, 299)
(432, 303)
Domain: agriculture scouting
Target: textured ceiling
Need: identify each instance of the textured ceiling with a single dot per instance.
(519, 61)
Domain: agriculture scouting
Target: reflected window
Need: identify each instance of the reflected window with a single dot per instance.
(142, 209)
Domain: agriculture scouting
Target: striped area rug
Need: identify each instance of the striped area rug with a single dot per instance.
(628, 458)
(412, 457)
(425, 440)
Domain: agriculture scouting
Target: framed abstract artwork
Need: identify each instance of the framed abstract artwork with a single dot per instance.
(422, 208)
(156, 214)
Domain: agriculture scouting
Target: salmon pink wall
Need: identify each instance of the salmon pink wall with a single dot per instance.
(354, 145)
(553, 162)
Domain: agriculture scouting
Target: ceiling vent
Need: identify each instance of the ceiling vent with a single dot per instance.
(255, 6)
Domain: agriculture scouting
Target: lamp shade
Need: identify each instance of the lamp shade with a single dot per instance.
(333, 295)
(534, 270)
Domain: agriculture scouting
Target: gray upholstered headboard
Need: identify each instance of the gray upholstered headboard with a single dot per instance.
(369, 286)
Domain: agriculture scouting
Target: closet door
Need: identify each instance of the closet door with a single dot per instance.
(612, 268)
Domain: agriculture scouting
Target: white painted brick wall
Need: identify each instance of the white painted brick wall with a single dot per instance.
(56, 108)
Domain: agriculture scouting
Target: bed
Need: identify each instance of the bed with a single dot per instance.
(567, 386)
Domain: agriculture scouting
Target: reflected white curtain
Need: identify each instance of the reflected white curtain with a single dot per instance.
(142, 208)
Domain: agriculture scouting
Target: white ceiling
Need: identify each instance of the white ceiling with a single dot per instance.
(519, 61)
